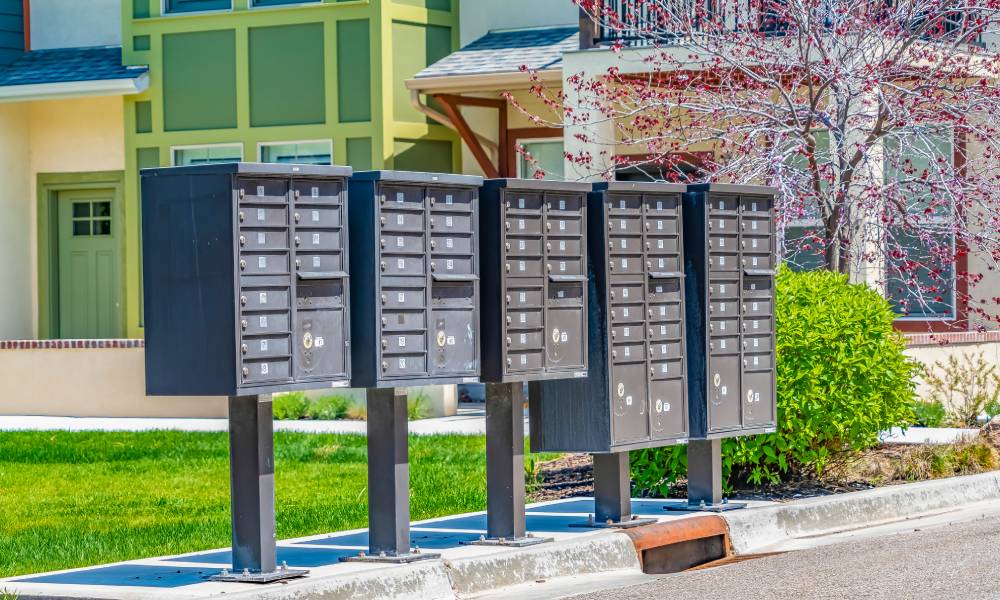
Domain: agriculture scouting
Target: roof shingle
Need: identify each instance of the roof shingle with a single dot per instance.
(68, 64)
(506, 52)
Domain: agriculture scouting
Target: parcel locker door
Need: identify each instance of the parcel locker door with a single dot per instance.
(454, 345)
(565, 333)
(758, 399)
(629, 421)
(319, 344)
(667, 417)
(723, 392)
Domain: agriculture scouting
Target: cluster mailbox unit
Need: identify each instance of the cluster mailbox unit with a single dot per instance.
(415, 320)
(635, 395)
(534, 324)
(246, 293)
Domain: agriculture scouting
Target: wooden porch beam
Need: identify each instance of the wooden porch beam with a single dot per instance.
(455, 115)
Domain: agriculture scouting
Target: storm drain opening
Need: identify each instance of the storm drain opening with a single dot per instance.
(684, 555)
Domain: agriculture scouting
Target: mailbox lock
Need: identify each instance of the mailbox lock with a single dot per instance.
(243, 324)
(385, 343)
(381, 221)
(649, 264)
(614, 354)
(507, 225)
(382, 265)
(385, 321)
(508, 340)
(612, 294)
(243, 265)
(433, 266)
(432, 222)
(298, 263)
(297, 217)
(507, 246)
(385, 366)
(298, 241)
(647, 226)
(243, 193)
(432, 201)
(243, 300)
(297, 194)
(433, 244)
(245, 348)
(613, 336)
(548, 267)
(246, 372)
(507, 267)
(384, 299)
(508, 320)
(548, 246)
(508, 298)
(243, 216)
(508, 362)
(243, 240)
(548, 226)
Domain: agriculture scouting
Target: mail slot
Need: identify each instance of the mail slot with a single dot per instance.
(758, 362)
(757, 204)
(758, 287)
(662, 245)
(402, 242)
(664, 264)
(305, 217)
(724, 262)
(666, 369)
(661, 226)
(626, 353)
(263, 216)
(319, 240)
(525, 361)
(723, 308)
(458, 223)
(557, 204)
(522, 201)
(524, 298)
(319, 294)
(451, 200)
(525, 340)
(523, 225)
(403, 198)
(720, 326)
(666, 408)
(757, 325)
(758, 261)
(317, 191)
(252, 299)
(624, 204)
(392, 298)
(453, 294)
(403, 366)
(627, 293)
(760, 244)
(392, 220)
(628, 333)
(403, 321)
(319, 343)
(627, 314)
(622, 244)
(664, 331)
(263, 239)
(753, 307)
(564, 247)
(724, 290)
(523, 266)
(664, 350)
(665, 290)
(723, 203)
(723, 224)
(560, 225)
(260, 371)
(457, 265)
(625, 225)
(721, 344)
(524, 319)
(264, 263)
(664, 312)
(402, 265)
(403, 343)
(564, 265)
(264, 322)
(662, 206)
(625, 265)
(565, 294)
(270, 346)
(756, 226)
(263, 190)
(758, 343)
(329, 263)
(723, 243)
(524, 246)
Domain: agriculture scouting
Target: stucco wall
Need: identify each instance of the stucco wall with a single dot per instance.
(16, 225)
(929, 355)
(74, 23)
(480, 16)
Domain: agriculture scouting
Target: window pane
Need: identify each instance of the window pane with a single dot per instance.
(804, 248)
(913, 159)
(102, 209)
(173, 6)
(921, 276)
(81, 209)
(81, 227)
(547, 157)
(208, 154)
(102, 227)
(310, 153)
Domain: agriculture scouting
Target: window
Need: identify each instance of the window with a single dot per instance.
(310, 153)
(178, 6)
(546, 156)
(200, 155)
(920, 257)
(805, 239)
(280, 2)
(91, 218)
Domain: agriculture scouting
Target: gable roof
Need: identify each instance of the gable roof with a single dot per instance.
(506, 52)
(61, 65)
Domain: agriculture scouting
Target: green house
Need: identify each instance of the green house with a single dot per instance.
(313, 81)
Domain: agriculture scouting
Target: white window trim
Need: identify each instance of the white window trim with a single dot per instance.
(522, 141)
(260, 145)
(300, 3)
(174, 149)
(165, 13)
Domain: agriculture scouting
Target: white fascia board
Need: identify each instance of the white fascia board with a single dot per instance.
(75, 89)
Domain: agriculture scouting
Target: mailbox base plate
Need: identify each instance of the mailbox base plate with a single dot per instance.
(396, 559)
(592, 524)
(247, 577)
(520, 542)
(715, 507)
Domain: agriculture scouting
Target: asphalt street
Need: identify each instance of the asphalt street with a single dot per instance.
(951, 561)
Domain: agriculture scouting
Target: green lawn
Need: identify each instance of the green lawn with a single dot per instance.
(76, 499)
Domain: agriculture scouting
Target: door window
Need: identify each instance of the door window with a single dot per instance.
(91, 218)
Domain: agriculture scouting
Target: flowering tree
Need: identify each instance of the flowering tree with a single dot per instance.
(878, 121)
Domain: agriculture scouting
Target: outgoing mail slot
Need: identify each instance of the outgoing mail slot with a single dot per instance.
(665, 290)
(451, 244)
(455, 345)
(320, 262)
(666, 409)
(525, 340)
(761, 244)
(720, 345)
(401, 242)
(402, 198)
(664, 264)
(758, 362)
(757, 399)
(723, 392)
(758, 343)
(257, 371)
(718, 202)
(757, 204)
(717, 326)
(403, 320)
(319, 294)
(254, 348)
(401, 221)
(624, 204)
(524, 298)
(453, 294)
(262, 216)
(524, 266)
(756, 226)
(723, 290)
(662, 245)
(403, 343)
(666, 369)
(526, 201)
(263, 239)
(524, 319)
(627, 314)
(757, 325)
(458, 265)
(564, 265)
(523, 246)
(566, 294)
(629, 421)
(450, 200)
(264, 299)
(402, 298)
(753, 307)
(661, 226)
(625, 265)
(723, 243)
(724, 262)
(402, 265)
(628, 333)
(274, 263)
(403, 366)
(628, 353)
(307, 191)
(457, 223)
(621, 244)
(318, 240)
(305, 217)
(564, 337)
(523, 225)
(624, 225)
(262, 190)
(264, 323)
(564, 247)
(662, 206)
(664, 312)
(664, 331)
(319, 343)
(722, 308)
(758, 287)
(723, 224)
(557, 204)
(559, 225)
(760, 262)
(525, 361)
(625, 293)
(664, 350)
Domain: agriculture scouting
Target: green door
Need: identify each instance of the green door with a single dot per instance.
(89, 297)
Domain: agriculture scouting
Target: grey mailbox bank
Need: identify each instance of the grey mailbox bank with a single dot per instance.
(245, 280)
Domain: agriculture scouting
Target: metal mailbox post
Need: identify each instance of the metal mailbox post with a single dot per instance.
(415, 319)
(635, 394)
(534, 266)
(246, 294)
(730, 249)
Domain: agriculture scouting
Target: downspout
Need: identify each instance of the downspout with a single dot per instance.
(489, 144)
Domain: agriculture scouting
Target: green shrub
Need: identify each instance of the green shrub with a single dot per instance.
(929, 413)
(992, 409)
(290, 406)
(328, 408)
(417, 407)
(842, 378)
(967, 384)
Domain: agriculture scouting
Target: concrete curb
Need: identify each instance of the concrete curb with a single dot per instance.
(427, 581)
(755, 529)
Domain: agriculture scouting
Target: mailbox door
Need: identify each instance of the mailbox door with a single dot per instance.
(629, 405)
(668, 419)
(758, 392)
(455, 343)
(319, 344)
(723, 392)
